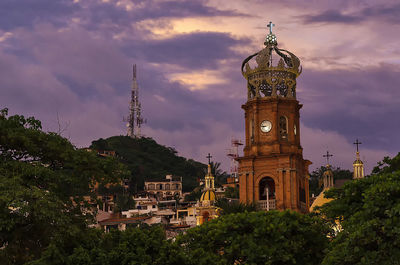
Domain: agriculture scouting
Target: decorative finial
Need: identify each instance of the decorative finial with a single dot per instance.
(328, 155)
(271, 38)
(209, 158)
(357, 143)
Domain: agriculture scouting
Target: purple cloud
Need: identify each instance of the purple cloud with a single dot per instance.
(383, 12)
(26, 13)
(75, 60)
(358, 103)
(333, 16)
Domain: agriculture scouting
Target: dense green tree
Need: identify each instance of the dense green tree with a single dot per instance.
(43, 181)
(124, 200)
(387, 165)
(220, 176)
(257, 238)
(139, 245)
(369, 213)
(194, 195)
(148, 160)
(234, 206)
(232, 192)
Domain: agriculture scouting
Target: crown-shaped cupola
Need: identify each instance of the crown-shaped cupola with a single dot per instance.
(275, 72)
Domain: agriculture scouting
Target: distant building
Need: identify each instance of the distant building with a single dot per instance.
(148, 205)
(231, 182)
(207, 209)
(358, 165)
(168, 189)
(122, 223)
(328, 183)
(184, 216)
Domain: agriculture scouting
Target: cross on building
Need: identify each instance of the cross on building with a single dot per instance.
(209, 158)
(357, 143)
(270, 25)
(328, 155)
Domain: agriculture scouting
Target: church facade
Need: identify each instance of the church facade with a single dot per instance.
(272, 171)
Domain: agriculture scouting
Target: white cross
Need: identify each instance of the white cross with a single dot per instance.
(270, 25)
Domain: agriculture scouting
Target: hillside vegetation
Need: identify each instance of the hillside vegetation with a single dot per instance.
(148, 160)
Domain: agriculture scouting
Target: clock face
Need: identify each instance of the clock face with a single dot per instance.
(266, 126)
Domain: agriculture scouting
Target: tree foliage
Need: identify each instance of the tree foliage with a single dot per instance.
(234, 206)
(194, 195)
(243, 238)
(147, 160)
(387, 165)
(220, 176)
(139, 245)
(369, 213)
(232, 192)
(43, 181)
(257, 238)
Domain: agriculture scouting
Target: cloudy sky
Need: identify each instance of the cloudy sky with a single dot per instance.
(73, 59)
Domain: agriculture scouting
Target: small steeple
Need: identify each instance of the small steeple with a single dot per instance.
(207, 198)
(358, 165)
(328, 174)
(209, 179)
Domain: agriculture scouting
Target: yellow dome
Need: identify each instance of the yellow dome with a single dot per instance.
(319, 201)
(208, 195)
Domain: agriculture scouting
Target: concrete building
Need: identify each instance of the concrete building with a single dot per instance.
(167, 189)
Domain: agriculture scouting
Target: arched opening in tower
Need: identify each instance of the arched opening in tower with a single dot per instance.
(267, 189)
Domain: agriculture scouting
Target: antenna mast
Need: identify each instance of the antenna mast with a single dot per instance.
(233, 154)
(135, 119)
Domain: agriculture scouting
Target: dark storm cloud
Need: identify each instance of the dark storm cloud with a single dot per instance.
(171, 106)
(192, 51)
(24, 13)
(150, 9)
(363, 103)
(386, 13)
(334, 16)
(95, 70)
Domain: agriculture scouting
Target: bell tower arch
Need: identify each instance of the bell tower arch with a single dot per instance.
(272, 129)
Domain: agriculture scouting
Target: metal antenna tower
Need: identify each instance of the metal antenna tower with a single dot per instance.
(134, 119)
(233, 153)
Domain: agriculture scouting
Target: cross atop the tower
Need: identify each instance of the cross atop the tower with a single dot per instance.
(357, 143)
(209, 158)
(327, 156)
(270, 25)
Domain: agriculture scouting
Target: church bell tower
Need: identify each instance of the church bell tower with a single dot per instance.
(272, 171)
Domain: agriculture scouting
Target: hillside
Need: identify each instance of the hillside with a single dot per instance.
(148, 160)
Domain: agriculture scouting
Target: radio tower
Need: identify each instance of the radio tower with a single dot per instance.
(134, 120)
(233, 153)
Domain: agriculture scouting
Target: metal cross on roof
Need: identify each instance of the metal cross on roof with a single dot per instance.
(357, 143)
(327, 156)
(270, 25)
(209, 158)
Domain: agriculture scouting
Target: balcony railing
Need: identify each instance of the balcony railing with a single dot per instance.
(267, 205)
